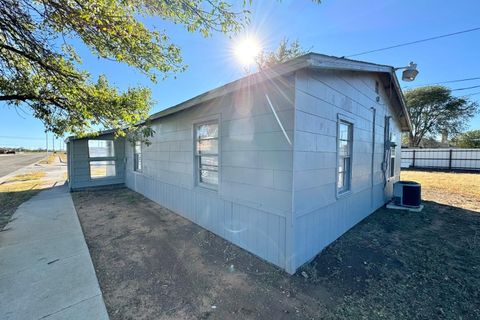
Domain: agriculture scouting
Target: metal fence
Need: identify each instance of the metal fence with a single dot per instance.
(445, 159)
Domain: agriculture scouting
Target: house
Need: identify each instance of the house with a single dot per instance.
(280, 163)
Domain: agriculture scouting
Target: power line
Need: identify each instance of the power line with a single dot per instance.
(442, 82)
(465, 88)
(21, 138)
(471, 94)
(413, 42)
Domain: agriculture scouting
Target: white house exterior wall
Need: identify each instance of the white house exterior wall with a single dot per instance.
(319, 216)
(79, 165)
(277, 194)
(254, 195)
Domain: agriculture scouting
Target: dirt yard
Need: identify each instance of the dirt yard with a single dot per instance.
(153, 264)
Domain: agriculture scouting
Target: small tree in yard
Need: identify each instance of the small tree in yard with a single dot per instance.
(285, 51)
(433, 110)
(469, 139)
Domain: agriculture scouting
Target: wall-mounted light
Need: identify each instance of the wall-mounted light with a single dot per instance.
(409, 73)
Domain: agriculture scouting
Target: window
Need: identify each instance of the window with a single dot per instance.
(101, 159)
(102, 169)
(344, 170)
(392, 155)
(206, 153)
(137, 156)
(392, 162)
(100, 148)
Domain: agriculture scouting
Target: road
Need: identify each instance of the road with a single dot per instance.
(12, 162)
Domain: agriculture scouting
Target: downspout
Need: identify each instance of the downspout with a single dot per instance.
(372, 172)
(386, 150)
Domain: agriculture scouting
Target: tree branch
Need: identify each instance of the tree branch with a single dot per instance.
(17, 97)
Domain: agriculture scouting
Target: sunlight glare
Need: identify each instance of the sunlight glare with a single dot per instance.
(247, 50)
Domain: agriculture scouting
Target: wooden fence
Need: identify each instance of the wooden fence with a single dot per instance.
(444, 159)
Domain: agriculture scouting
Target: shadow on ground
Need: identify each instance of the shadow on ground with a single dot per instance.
(152, 263)
(9, 202)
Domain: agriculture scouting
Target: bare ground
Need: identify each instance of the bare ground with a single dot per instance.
(154, 264)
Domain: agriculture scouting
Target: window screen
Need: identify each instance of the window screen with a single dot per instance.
(344, 169)
(100, 148)
(392, 162)
(206, 153)
(392, 155)
(137, 156)
(102, 169)
(102, 158)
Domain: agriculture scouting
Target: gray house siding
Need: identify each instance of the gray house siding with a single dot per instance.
(277, 194)
(320, 216)
(254, 196)
(79, 163)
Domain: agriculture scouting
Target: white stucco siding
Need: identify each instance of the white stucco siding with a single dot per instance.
(320, 215)
(254, 196)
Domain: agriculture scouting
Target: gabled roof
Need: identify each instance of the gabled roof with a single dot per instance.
(307, 61)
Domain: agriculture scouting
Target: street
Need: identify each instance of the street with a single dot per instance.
(12, 162)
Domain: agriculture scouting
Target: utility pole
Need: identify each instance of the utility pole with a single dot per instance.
(46, 142)
(53, 143)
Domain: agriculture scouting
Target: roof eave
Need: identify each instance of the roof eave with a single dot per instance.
(408, 123)
(239, 84)
(310, 60)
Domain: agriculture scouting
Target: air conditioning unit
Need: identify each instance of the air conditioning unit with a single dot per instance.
(407, 194)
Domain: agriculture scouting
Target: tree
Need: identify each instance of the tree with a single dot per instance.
(469, 139)
(285, 51)
(433, 110)
(40, 69)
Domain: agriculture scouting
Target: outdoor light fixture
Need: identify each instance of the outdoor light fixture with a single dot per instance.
(410, 72)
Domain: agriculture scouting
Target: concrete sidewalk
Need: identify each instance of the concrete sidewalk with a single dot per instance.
(45, 267)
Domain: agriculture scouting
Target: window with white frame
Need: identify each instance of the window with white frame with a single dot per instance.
(392, 155)
(137, 156)
(206, 153)
(100, 148)
(101, 154)
(344, 166)
(102, 169)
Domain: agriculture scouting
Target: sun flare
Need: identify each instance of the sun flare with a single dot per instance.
(246, 50)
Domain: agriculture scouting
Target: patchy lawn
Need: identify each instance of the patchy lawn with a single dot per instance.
(456, 189)
(153, 264)
(25, 177)
(15, 191)
(52, 158)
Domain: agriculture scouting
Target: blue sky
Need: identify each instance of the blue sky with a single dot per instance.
(341, 27)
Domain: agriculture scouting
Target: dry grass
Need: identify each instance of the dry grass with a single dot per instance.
(457, 189)
(50, 159)
(62, 156)
(27, 176)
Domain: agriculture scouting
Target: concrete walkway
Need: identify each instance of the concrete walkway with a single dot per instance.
(45, 267)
